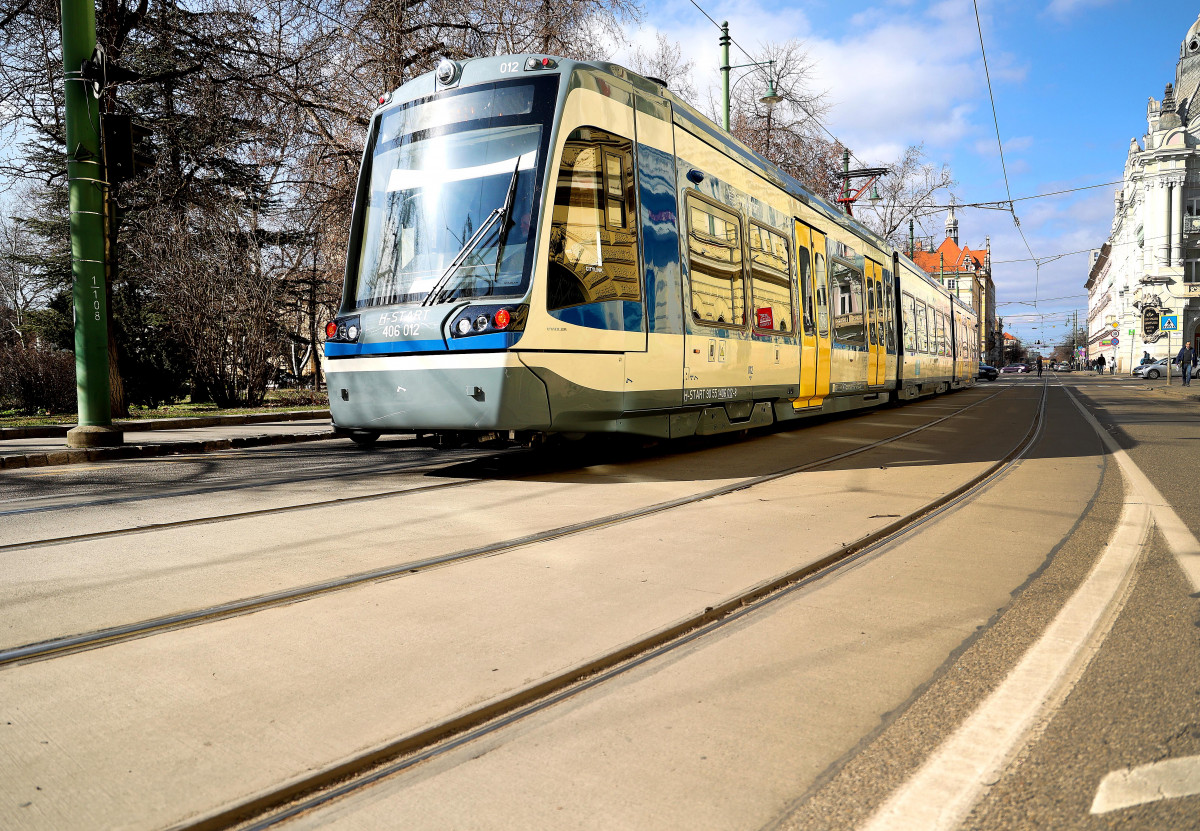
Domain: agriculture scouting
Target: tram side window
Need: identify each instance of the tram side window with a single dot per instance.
(922, 328)
(846, 296)
(910, 323)
(822, 295)
(715, 258)
(939, 333)
(770, 281)
(804, 274)
(593, 244)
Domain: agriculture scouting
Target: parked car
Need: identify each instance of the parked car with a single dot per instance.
(1014, 368)
(987, 373)
(1154, 370)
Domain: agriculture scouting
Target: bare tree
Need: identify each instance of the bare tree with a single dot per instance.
(791, 131)
(665, 62)
(913, 189)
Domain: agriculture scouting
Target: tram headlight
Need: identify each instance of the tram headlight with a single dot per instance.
(489, 319)
(447, 72)
(352, 332)
(331, 329)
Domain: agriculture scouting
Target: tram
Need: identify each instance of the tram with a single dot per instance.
(542, 246)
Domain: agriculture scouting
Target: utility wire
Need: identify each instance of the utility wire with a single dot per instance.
(1044, 299)
(750, 58)
(1002, 204)
(1111, 246)
(1003, 167)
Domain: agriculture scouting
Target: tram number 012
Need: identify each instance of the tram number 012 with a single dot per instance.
(407, 330)
(510, 66)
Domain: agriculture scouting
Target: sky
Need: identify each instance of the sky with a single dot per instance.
(1070, 80)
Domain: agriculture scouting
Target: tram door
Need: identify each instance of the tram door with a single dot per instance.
(878, 341)
(814, 325)
(874, 348)
(820, 274)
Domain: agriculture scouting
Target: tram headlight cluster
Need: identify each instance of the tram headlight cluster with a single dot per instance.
(482, 320)
(343, 330)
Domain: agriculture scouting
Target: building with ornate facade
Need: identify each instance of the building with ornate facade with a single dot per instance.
(967, 274)
(1150, 263)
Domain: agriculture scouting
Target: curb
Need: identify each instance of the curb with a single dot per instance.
(142, 451)
(49, 431)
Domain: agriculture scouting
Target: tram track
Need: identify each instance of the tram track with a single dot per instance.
(64, 645)
(215, 486)
(317, 788)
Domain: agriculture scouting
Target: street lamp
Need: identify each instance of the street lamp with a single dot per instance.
(770, 99)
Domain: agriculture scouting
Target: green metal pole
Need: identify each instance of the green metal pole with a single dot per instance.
(846, 179)
(911, 241)
(85, 183)
(725, 73)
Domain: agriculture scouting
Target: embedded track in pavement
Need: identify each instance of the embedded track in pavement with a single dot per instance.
(50, 648)
(321, 786)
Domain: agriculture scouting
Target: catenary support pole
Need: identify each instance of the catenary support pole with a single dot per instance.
(846, 179)
(725, 74)
(85, 184)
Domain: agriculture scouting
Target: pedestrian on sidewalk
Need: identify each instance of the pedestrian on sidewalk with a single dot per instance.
(1100, 365)
(1146, 359)
(1186, 360)
(1039, 366)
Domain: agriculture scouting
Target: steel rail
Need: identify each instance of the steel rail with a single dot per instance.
(236, 515)
(315, 789)
(208, 487)
(55, 647)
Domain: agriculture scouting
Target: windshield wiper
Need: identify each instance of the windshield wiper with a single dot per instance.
(479, 235)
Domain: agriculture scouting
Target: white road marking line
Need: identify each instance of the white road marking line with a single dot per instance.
(1168, 779)
(944, 789)
(1179, 538)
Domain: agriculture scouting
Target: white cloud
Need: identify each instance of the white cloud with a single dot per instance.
(1063, 9)
(899, 74)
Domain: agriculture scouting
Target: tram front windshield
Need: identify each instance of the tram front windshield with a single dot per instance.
(438, 170)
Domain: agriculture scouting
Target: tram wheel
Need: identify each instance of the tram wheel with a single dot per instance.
(364, 438)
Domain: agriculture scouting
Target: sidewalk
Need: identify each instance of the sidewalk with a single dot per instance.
(44, 445)
(1154, 387)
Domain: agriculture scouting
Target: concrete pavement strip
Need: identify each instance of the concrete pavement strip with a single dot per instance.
(44, 431)
(11, 457)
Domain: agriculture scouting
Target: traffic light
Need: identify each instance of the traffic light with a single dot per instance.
(125, 146)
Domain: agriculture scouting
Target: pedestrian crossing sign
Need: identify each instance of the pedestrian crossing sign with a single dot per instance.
(1169, 323)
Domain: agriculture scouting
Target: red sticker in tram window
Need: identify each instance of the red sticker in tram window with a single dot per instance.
(766, 318)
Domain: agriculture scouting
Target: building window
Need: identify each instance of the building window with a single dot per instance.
(1191, 268)
(951, 283)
